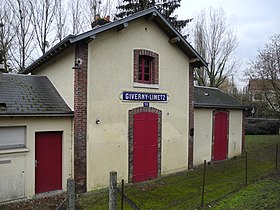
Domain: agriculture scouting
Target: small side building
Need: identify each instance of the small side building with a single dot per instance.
(35, 137)
(219, 125)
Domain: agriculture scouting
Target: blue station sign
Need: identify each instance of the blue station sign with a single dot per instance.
(138, 96)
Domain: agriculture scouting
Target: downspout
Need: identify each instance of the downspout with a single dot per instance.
(191, 117)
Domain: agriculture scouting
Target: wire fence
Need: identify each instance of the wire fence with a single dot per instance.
(205, 185)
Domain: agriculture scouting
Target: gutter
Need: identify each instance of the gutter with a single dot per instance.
(38, 115)
(71, 39)
(50, 53)
(219, 106)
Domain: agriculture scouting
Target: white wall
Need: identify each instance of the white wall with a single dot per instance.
(12, 176)
(203, 126)
(25, 157)
(235, 133)
(202, 135)
(111, 73)
(60, 73)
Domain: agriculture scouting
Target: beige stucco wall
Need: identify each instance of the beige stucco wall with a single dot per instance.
(203, 124)
(60, 73)
(235, 133)
(110, 73)
(27, 155)
(202, 135)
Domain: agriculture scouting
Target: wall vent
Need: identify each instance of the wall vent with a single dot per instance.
(3, 107)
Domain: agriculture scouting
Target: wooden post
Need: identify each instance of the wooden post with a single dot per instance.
(113, 191)
(203, 184)
(122, 194)
(276, 158)
(246, 168)
(70, 194)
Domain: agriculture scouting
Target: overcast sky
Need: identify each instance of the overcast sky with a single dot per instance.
(254, 21)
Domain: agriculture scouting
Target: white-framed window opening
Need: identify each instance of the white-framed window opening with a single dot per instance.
(12, 137)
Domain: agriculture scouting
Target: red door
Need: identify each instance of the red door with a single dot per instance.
(48, 161)
(220, 146)
(145, 148)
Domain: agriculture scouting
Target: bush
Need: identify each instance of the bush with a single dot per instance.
(258, 126)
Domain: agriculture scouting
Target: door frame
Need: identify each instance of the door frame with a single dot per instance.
(131, 114)
(213, 131)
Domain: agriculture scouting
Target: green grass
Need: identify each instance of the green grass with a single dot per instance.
(264, 194)
(183, 190)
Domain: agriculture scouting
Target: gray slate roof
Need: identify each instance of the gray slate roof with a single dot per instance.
(26, 95)
(150, 14)
(208, 97)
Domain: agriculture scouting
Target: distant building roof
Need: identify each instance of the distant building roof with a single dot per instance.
(209, 97)
(261, 84)
(150, 14)
(26, 95)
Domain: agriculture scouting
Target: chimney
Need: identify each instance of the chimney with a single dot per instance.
(98, 21)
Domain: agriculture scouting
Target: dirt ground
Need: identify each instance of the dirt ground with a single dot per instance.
(48, 202)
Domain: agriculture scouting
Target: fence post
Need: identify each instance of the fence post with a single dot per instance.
(113, 191)
(276, 158)
(71, 194)
(122, 194)
(203, 184)
(246, 168)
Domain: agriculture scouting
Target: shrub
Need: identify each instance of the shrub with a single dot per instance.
(258, 126)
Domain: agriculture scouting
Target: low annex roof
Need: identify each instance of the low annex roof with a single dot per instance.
(150, 14)
(28, 95)
(209, 97)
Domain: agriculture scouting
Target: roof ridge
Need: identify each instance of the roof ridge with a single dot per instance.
(22, 75)
(207, 87)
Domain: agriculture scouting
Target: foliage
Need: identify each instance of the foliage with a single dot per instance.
(183, 190)
(216, 42)
(166, 7)
(257, 126)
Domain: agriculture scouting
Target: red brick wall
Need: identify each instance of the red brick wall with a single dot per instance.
(131, 137)
(191, 117)
(80, 118)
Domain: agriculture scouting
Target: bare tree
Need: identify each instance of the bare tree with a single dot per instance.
(6, 34)
(22, 46)
(266, 68)
(92, 8)
(42, 13)
(60, 26)
(216, 42)
(77, 18)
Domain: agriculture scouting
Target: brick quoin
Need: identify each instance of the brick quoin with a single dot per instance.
(80, 118)
(191, 117)
(131, 137)
(155, 62)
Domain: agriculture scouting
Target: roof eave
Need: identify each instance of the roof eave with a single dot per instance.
(154, 15)
(220, 106)
(49, 54)
(66, 114)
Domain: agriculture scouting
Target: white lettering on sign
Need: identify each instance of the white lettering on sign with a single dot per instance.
(133, 96)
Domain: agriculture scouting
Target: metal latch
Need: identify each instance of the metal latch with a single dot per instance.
(36, 163)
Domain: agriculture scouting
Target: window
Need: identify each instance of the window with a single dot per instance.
(12, 137)
(146, 68)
